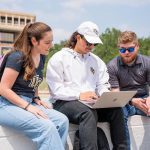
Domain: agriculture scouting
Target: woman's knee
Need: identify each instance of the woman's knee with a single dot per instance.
(63, 123)
(63, 119)
(47, 127)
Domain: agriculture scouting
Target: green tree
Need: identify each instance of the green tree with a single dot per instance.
(53, 50)
(108, 49)
(145, 46)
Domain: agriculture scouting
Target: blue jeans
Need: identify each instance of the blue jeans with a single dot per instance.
(130, 110)
(48, 134)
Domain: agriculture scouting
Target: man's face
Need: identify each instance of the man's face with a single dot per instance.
(128, 52)
(82, 46)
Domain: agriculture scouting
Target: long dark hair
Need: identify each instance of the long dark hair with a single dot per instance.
(23, 43)
(73, 40)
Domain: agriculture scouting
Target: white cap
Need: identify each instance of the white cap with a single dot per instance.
(90, 31)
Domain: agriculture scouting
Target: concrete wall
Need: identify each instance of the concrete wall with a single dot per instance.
(139, 128)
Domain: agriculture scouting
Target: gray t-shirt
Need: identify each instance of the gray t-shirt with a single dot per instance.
(22, 87)
(134, 77)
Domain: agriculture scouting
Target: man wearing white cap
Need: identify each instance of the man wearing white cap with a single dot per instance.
(74, 74)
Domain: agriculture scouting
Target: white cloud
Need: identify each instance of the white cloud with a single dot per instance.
(124, 27)
(74, 4)
(60, 35)
(65, 15)
(139, 30)
(77, 4)
(133, 3)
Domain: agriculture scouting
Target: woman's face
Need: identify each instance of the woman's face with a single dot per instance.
(43, 46)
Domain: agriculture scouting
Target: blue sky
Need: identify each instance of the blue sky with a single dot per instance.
(64, 16)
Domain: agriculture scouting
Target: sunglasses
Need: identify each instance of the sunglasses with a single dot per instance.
(129, 49)
(89, 44)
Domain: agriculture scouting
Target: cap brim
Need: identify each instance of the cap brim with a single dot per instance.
(93, 39)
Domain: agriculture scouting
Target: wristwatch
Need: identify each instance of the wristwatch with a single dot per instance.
(36, 97)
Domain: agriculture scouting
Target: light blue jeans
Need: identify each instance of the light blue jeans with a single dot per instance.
(48, 134)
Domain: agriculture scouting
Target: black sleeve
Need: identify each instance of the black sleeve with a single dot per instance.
(15, 61)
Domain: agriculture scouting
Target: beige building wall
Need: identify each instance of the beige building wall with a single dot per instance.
(11, 23)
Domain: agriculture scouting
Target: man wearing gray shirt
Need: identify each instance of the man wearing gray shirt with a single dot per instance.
(131, 71)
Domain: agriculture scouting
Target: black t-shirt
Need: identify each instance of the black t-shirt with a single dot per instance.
(22, 87)
(134, 77)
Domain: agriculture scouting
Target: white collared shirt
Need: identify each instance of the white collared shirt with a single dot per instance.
(70, 73)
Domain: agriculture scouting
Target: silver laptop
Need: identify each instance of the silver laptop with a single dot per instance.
(111, 99)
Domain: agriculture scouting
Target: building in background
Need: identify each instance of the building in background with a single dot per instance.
(11, 23)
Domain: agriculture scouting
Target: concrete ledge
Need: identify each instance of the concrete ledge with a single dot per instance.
(139, 127)
(13, 140)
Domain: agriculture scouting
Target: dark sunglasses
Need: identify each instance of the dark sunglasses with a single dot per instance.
(89, 44)
(129, 49)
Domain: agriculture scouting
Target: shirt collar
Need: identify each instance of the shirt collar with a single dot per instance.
(137, 61)
(76, 54)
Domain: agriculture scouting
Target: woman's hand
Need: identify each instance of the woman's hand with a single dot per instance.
(42, 103)
(37, 112)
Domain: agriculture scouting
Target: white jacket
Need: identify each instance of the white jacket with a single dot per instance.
(70, 73)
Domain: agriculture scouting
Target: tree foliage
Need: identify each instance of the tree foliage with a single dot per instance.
(53, 50)
(108, 50)
(145, 46)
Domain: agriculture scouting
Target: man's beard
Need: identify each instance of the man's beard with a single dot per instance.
(128, 60)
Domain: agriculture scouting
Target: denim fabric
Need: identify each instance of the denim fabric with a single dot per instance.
(130, 110)
(48, 134)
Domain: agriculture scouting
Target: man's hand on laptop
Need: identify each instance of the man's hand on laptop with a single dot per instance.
(88, 96)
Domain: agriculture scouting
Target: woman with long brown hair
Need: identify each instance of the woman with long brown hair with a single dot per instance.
(20, 106)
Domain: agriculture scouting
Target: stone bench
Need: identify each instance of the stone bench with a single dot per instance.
(139, 128)
(13, 140)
